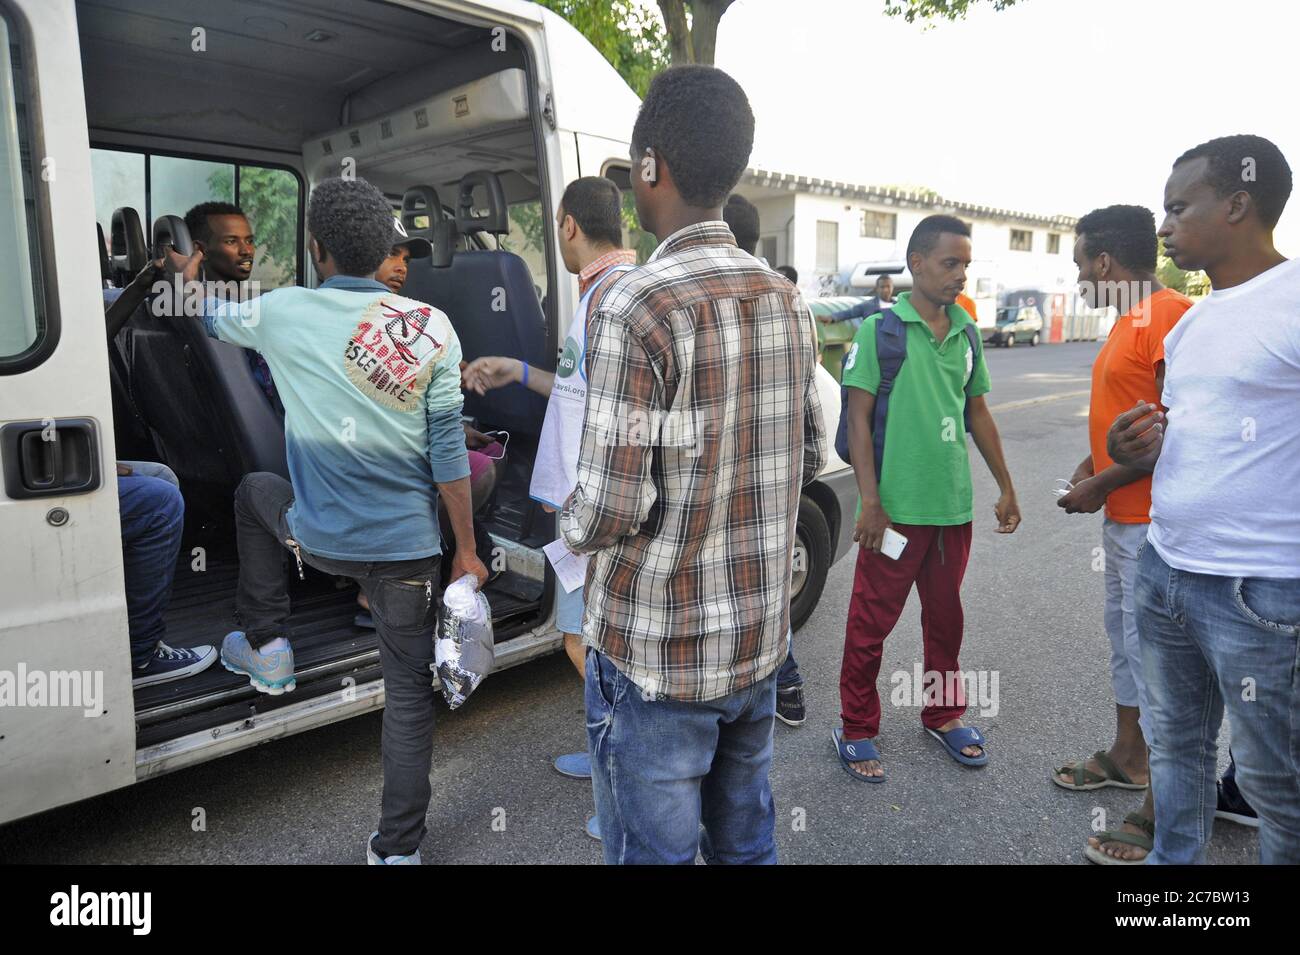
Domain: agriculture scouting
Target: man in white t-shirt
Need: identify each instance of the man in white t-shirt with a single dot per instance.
(1218, 589)
(590, 228)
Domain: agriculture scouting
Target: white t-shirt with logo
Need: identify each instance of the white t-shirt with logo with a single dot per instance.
(1225, 497)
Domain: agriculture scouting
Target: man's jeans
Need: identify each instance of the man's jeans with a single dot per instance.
(1210, 642)
(403, 599)
(788, 675)
(660, 768)
(152, 514)
(1121, 544)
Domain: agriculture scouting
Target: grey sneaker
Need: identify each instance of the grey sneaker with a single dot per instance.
(374, 858)
(267, 672)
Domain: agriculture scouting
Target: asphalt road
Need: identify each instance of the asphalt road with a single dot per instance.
(1033, 617)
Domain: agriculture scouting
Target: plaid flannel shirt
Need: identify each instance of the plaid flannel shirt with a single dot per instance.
(702, 425)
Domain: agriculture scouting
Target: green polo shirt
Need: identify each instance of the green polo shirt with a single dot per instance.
(926, 474)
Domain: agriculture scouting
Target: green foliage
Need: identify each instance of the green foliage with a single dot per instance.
(630, 37)
(269, 197)
(1191, 284)
(930, 10)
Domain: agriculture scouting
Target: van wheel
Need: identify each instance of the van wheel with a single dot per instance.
(812, 561)
(1034, 340)
(1011, 339)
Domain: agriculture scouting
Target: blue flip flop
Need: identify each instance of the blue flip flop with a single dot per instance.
(855, 751)
(955, 739)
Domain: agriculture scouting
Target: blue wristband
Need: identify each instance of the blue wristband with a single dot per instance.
(525, 364)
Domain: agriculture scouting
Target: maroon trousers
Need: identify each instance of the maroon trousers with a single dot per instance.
(935, 560)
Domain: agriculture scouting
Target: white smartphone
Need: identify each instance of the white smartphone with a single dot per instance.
(892, 544)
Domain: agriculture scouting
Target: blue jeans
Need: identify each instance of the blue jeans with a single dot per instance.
(152, 513)
(1211, 642)
(662, 768)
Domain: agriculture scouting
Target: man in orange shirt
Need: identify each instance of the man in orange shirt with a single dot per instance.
(1116, 255)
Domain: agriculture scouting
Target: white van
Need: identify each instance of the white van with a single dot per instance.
(471, 115)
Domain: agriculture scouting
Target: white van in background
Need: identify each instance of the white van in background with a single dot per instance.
(471, 115)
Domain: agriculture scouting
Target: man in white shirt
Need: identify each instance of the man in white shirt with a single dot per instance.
(1218, 590)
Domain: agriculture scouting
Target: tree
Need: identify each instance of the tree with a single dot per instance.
(930, 10)
(630, 37)
(693, 38)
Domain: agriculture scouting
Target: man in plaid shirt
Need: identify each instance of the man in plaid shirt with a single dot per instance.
(702, 424)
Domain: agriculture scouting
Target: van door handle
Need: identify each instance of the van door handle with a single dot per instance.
(49, 457)
(42, 460)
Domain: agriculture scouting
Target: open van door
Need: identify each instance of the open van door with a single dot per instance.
(66, 719)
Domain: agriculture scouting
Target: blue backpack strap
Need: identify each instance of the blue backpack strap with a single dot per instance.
(891, 350)
(976, 349)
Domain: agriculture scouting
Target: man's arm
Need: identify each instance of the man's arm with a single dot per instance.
(614, 492)
(492, 371)
(814, 422)
(985, 432)
(449, 461)
(872, 519)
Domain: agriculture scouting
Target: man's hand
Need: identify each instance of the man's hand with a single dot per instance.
(870, 529)
(1082, 472)
(188, 268)
(1136, 437)
(1087, 497)
(1008, 511)
(465, 562)
(474, 439)
(491, 371)
(124, 470)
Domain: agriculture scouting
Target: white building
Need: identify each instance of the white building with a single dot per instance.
(824, 229)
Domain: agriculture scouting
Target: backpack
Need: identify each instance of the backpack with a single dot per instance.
(891, 350)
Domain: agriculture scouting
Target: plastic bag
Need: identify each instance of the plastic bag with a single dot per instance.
(463, 651)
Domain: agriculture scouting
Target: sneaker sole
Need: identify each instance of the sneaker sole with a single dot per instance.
(261, 686)
(1250, 822)
(790, 722)
(191, 670)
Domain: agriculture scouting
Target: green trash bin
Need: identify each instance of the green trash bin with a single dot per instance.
(845, 314)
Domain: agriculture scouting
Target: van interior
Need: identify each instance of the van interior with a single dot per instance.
(253, 102)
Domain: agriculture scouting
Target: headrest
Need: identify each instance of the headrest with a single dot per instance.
(105, 266)
(129, 253)
(444, 243)
(421, 202)
(172, 230)
(495, 218)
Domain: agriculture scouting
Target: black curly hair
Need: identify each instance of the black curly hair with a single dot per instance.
(698, 119)
(1128, 233)
(1268, 182)
(197, 218)
(741, 217)
(352, 221)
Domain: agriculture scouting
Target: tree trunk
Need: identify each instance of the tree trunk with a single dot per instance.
(705, 15)
(679, 34)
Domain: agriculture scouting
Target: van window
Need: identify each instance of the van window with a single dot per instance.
(527, 239)
(155, 184)
(24, 321)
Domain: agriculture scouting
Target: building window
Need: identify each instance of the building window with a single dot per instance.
(828, 246)
(1022, 240)
(768, 249)
(879, 225)
(1053, 243)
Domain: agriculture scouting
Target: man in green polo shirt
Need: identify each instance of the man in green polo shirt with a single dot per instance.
(923, 493)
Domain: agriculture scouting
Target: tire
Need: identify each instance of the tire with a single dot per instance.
(1033, 341)
(1011, 340)
(813, 542)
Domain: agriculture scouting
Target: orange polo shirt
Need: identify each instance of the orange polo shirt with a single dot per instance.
(1123, 374)
(964, 301)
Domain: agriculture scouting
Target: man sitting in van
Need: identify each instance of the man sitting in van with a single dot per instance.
(590, 229)
(222, 232)
(370, 382)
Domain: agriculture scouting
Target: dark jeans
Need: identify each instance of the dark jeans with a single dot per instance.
(153, 517)
(661, 768)
(788, 675)
(403, 599)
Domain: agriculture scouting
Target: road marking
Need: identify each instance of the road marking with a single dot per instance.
(1041, 399)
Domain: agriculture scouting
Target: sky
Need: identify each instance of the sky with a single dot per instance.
(1050, 107)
